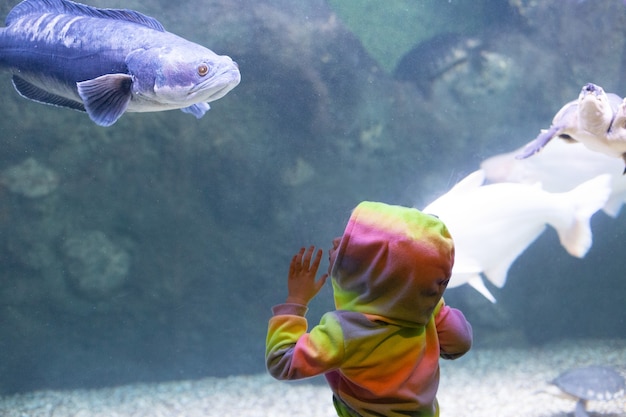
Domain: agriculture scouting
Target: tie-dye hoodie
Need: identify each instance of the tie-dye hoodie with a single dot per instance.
(380, 349)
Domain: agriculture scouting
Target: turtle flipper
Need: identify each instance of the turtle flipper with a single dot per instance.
(540, 141)
(581, 408)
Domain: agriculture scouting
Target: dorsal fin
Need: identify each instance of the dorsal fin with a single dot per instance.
(28, 7)
(470, 182)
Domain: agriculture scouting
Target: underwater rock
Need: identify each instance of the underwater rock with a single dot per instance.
(563, 27)
(300, 173)
(97, 267)
(388, 30)
(314, 55)
(30, 179)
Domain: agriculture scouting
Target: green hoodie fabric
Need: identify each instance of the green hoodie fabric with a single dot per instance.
(380, 349)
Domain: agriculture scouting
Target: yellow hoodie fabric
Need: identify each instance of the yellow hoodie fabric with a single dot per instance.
(378, 351)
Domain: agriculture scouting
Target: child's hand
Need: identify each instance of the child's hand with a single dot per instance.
(301, 282)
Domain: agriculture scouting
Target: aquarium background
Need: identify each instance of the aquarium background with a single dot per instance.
(154, 249)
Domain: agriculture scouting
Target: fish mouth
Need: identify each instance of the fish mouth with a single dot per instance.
(217, 86)
(209, 89)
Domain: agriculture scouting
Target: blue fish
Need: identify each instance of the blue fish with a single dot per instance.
(108, 61)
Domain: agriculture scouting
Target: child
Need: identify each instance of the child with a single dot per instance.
(380, 349)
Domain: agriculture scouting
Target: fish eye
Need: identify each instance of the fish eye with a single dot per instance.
(203, 70)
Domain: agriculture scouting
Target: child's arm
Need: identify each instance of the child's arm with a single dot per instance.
(291, 352)
(454, 331)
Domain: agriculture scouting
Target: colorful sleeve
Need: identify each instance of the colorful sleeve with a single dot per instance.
(292, 353)
(454, 331)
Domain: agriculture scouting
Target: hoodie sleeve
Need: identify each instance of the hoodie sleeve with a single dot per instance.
(292, 353)
(454, 331)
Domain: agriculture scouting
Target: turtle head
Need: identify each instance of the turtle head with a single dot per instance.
(594, 110)
(591, 88)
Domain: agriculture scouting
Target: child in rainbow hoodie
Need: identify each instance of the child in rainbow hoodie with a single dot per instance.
(379, 350)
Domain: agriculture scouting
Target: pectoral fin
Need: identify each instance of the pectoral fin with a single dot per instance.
(106, 98)
(477, 283)
(197, 110)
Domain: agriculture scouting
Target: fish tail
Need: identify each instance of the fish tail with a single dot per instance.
(586, 199)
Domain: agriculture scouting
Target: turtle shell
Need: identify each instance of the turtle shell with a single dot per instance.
(598, 383)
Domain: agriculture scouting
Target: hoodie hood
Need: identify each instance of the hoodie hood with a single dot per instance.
(386, 256)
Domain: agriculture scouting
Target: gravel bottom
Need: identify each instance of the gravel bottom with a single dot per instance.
(498, 383)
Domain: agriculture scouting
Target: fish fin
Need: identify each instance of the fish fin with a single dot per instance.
(614, 204)
(106, 97)
(67, 7)
(32, 92)
(586, 199)
(470, 182)
(470, 274)
(467, 271)
(497, 274)
(477, 283)
(197, 109)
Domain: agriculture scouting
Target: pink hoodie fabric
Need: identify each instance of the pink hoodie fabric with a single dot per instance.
(378, 351)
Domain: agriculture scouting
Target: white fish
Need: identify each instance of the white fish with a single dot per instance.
(493, 224)
(560, 167)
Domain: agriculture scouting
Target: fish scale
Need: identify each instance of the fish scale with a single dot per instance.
(46, 28)
(69, 30)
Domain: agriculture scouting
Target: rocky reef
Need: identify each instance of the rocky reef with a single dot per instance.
(154, 249)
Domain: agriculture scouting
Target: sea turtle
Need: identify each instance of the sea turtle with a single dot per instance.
(599, 383)
(597, 120)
